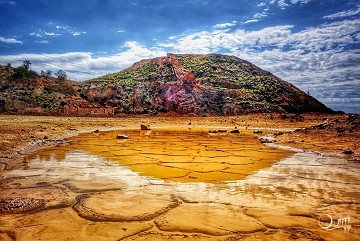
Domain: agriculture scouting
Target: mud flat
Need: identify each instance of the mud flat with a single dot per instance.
(197, 185)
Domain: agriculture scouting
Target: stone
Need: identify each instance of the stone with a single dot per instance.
(267, 139)
(236, 131)
(347, 151)
(257, 132)
(213, 131)
(122, 137)
(340, 130)
(26, 199)
(145, 127)
(19, 205)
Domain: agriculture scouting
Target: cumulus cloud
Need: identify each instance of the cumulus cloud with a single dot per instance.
(84, 65)
(321, 58)
(10, 41)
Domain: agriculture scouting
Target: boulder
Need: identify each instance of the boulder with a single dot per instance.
(267, 139)
(145, 127)
(122, 137)
(236, 131)
(347, 151)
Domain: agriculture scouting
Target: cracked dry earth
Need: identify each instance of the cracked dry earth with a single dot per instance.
(178, 184)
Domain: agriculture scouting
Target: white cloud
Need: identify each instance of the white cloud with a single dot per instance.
(42, 42)
(260, 15)
(225, 25)
(78, 33)
(346, 13)
(315, 57)
(51, 34)
(10, 40)
(282, 4)
(43, 34)
(251, 21)
(83, 65)
(120, 31)
(319, 57)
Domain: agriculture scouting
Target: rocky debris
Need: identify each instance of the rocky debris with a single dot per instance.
(217, 131)
(96, 131)
(347, 151)
(257, 132)
(267, 139)
(122, 137)
(144, 127)
(235, 131)
(213, 131)
(342, 124)
(18, 205)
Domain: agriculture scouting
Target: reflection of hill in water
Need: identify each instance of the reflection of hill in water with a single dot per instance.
(178, 155)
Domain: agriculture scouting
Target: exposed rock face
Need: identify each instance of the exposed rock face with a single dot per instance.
(201, 84)
(78, 106)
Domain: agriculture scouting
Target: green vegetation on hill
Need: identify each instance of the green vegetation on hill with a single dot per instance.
(224, 85)
(22, 90)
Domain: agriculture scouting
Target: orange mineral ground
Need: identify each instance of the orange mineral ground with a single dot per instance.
(188, 178)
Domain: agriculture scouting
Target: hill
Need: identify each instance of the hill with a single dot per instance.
(25, 91)
(202, 84)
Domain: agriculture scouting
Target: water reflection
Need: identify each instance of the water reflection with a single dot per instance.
(176, 155)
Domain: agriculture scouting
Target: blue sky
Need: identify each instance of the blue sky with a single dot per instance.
(314, 44)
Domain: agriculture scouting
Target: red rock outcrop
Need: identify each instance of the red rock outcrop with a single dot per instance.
(79, 106)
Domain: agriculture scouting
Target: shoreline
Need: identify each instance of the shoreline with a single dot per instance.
(48, 131)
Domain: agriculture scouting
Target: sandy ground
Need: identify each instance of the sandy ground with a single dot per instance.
(38, 200)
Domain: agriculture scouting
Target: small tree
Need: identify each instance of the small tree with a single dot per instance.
(61, 75)
(27, 64)
(19, 72)
(48, 73)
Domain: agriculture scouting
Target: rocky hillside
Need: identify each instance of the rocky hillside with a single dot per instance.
(31, 93)
(201, 84)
